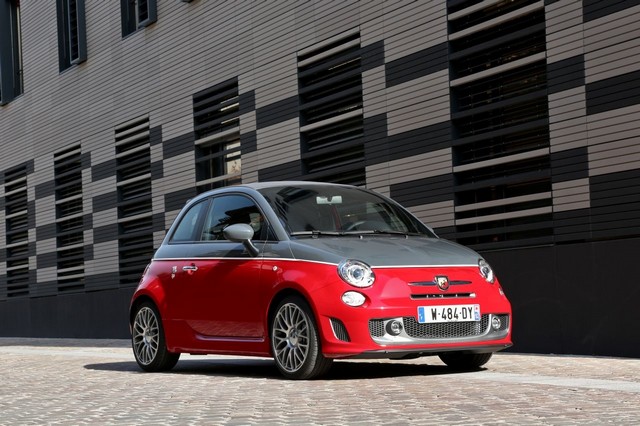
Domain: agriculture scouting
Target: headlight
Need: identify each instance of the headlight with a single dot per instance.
(356, 273)
(486, 271)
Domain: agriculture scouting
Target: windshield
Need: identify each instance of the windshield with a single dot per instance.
(336, 210)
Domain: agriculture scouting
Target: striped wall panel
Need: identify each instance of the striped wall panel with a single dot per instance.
(412, 149)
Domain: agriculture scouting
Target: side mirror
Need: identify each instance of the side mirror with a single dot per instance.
(241, 233)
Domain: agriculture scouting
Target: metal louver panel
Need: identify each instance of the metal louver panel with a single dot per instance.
(501, 155)
(331, 117)
(69, 219)
(16, 232)
(135, 207)
(216, 117)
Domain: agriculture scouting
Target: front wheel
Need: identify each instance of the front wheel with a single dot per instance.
(295, 342)
(147, 340)
(465, 361)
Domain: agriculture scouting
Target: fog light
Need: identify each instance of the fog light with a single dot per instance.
(496, 323)
(353, 298)
(394, 327)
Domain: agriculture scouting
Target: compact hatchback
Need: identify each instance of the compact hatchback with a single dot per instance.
(311, 272)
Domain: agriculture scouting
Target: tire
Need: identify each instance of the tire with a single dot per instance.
(295, 342)
(465, 361)
(148, 342)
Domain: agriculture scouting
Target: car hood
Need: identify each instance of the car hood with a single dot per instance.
(379, 251)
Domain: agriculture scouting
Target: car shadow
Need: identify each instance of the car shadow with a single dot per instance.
(266, 369)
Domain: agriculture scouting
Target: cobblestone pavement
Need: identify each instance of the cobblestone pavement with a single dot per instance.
(75, 382)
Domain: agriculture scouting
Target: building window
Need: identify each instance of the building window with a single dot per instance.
(72, 42)
(67, 166)
(500, 125)
(137, 14)
(17, 247)
(10, 51)
(331, 117)
(135, 212)
(216, 120)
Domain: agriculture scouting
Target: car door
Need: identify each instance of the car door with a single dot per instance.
(217, 291)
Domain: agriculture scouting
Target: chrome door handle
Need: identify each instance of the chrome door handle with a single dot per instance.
(191, 268)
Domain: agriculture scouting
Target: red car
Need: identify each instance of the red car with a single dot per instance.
(311, 272)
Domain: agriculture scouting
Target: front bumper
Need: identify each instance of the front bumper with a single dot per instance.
(364, 332)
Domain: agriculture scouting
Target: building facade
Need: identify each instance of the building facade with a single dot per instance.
(512, 127)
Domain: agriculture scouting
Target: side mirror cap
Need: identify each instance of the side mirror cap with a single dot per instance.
(241, 233)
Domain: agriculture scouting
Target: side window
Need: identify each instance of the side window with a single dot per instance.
(137, 14)
(72, 34)
(10, 51)
(186, 230)
(229, 210)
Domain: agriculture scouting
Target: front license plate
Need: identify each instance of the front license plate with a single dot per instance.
(448, 313)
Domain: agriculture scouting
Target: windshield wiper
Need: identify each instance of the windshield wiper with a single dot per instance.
(315, 233)
(389, 232)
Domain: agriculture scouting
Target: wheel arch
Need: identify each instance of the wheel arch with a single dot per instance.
(279, 297)
(135, 303)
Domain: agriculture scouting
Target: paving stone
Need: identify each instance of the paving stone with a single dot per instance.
(69, 381)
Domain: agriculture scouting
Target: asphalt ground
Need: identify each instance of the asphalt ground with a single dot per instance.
(76, 382)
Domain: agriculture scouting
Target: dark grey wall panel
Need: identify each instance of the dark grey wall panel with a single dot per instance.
(286, 171)
(157, 170)
(571, 164)
(424, 191)
(92, 315)
(572, 226)
(176, 200)
(178, 145)
(418, 64)
(105, 233)
(565, 74)
(155, 135)
(247, 102)
(105, 201)
(376, 145)
(248, 142)
(45, 189)
(277, 112)
(558, 309)
(103, 170)
(594, 9)
(372, 56)
(615, 204)
(612, 93)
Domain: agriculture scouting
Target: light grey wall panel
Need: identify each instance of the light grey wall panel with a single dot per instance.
(177, 174)
(374, 93)
(564, 30)
(571, 195)
(46, 246)
(567, 119)
(46, 274)
(613, 141)
(413, 26)
(105, 217)
(420, 166)
(276, 81)
(418, 103)
(605, 41)
(378, 178)
(435, 215)
(105, 259)
(279, 143)
(372, 14)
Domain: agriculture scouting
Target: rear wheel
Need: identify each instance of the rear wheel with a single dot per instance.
(295, 342)
(147, 340)
(465, 361)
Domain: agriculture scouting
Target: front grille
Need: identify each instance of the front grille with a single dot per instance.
(447, 330)
(339, 330)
